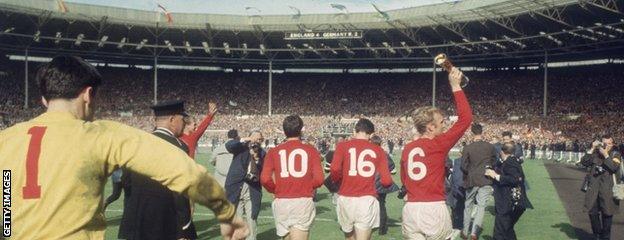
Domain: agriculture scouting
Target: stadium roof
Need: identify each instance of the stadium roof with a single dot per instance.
(476, 31)
(265, 7)
(249, 18)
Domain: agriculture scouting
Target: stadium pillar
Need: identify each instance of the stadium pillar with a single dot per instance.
(155, 79)
(270, 85)
(433, 93)
(545, 103)
(26, 79)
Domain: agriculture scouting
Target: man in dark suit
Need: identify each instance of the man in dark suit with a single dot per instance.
(152, 211)
(222, 159)
(509, 193)
(603, 160)
(242, 185)
(476, 156)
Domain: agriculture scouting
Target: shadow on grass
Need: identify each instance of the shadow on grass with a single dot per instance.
(491, 210)
(115, 221)
(572, 232)
(323, 209)
(268, 234)
(211, 224)
(321, 196)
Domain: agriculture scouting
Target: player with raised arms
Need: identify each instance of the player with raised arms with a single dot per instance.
(425, 215)
(354, 165)
(60, 161)
(292, 170)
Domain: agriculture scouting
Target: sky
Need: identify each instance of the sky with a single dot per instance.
(262, 7)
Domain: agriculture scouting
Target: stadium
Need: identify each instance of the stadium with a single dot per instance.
(548, 71)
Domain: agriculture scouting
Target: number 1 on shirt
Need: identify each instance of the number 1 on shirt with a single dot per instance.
(32, 190)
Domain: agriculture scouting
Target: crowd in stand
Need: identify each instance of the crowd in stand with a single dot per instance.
(581, 101)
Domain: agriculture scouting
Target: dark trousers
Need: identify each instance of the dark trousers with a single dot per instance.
(504, 225)
(383, 215)
(600, 222)
(458, 212)
(114, 195)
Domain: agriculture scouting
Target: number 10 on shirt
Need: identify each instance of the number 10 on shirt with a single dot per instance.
(287, 163)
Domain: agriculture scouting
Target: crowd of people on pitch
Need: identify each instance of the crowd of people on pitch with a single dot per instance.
(162, 180)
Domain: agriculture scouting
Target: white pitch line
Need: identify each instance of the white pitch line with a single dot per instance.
(263, 217)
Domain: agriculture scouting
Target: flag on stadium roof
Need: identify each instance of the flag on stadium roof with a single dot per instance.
(61, 6)
(167, 14)
(382, 14)
(338, 6)
(297, 14)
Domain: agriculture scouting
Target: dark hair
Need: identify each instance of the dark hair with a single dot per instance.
(66, 76)
(365, 125)
(607, 136)
(509, 148)
(292, 126)
(476, 129)
(232, 133)
(376, 140)
(507, 133)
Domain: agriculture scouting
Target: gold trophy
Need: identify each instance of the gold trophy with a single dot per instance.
(443, 61)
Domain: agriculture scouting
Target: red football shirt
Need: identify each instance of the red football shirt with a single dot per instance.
(423, 160)
(292, 170)
(192, 139)
(354, 165)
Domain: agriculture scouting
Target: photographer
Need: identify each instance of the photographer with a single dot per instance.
(603, 160)
(242, 184)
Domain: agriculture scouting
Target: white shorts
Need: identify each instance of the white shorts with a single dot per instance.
(426, 220)
(361, 212)
(293, 212)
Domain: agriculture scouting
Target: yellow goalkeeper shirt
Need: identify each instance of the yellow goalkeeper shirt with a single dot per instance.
(59, 166)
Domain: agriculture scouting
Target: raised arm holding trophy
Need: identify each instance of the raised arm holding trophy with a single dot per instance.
(443, 61)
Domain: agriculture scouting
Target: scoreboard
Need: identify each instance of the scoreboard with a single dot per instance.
(350, 34)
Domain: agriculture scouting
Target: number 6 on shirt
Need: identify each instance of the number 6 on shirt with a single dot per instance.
(358, 166)
(288, 165)
(414, 163)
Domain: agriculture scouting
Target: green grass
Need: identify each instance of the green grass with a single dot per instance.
(547, 221)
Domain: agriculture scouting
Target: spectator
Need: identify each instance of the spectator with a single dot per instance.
(477, 157)
(242, 184)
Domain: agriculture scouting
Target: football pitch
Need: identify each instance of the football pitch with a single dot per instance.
(547, 221)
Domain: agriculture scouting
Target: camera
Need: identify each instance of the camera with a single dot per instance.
(599, 170)
(252, 170)
(255, 147)
(251, 177)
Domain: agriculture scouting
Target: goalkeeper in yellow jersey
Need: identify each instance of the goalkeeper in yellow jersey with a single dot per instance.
(60, 160)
